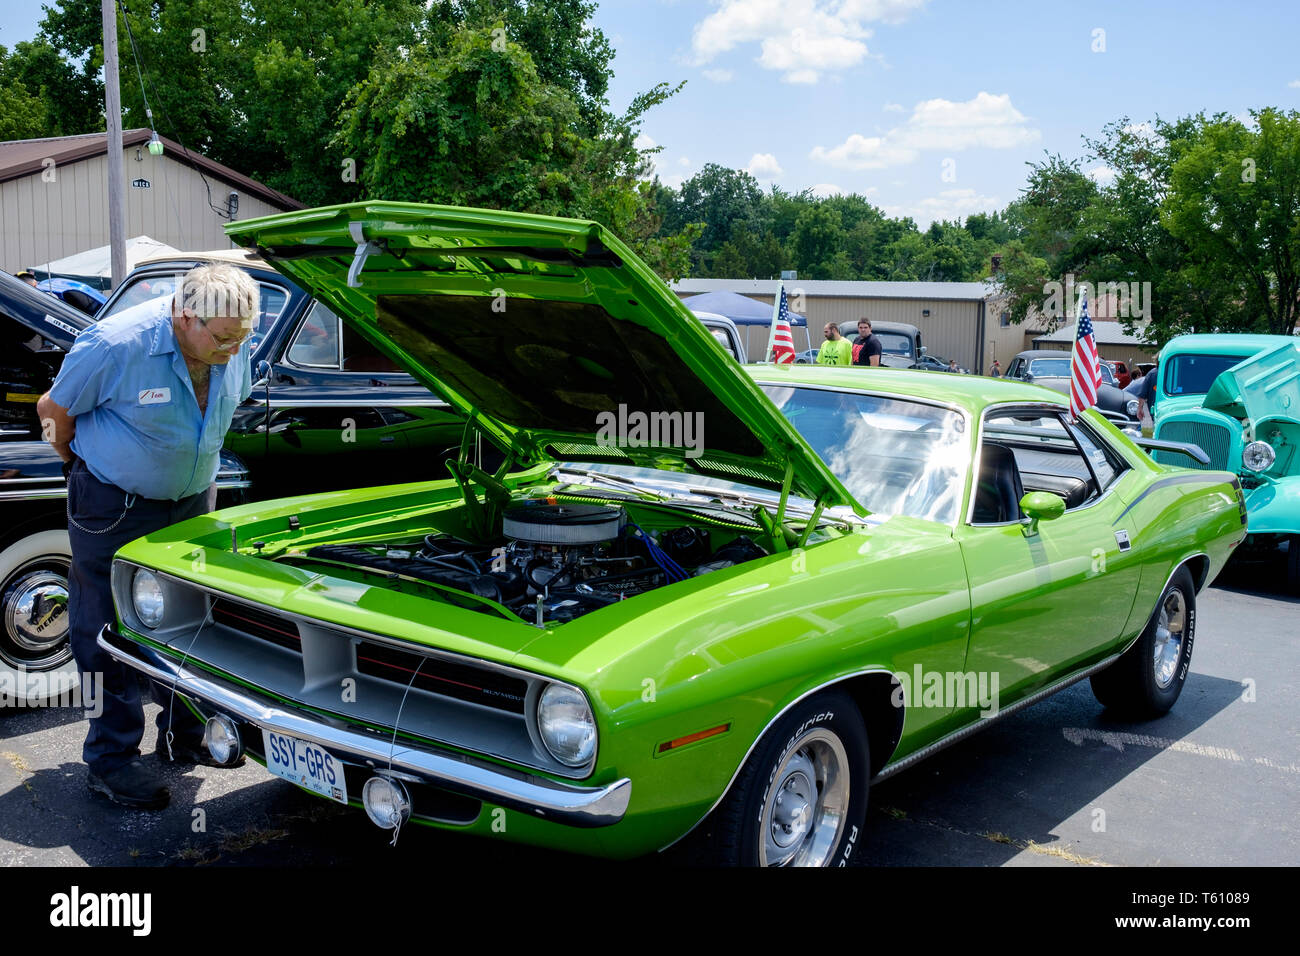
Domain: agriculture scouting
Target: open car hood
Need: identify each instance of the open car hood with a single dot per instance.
(1266, 385)
(45, 314)
(550, 333)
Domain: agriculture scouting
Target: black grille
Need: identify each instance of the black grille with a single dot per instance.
(260, 624)
(469, 684)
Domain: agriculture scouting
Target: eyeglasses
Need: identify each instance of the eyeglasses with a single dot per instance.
(226, 344)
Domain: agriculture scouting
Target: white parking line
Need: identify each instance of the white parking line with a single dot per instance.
(1117, 739)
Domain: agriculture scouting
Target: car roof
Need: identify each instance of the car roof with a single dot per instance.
(236, 256)
(971, 392)
(1044, 353)
(1219, 343)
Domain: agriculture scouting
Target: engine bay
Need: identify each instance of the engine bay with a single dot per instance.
(551, 562)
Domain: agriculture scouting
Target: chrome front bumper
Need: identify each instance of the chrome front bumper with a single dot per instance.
(548, 799)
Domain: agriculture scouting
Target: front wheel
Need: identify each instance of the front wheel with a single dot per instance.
(1149, 676)
(801, 798)
(34, 647)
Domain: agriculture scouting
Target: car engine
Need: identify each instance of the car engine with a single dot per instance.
(554, 562)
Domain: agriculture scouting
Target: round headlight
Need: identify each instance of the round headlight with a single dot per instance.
(1131, 408)
(147, 593)
(566, 725)
(1258, 456)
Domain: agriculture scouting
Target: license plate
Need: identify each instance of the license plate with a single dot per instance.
(308, 765)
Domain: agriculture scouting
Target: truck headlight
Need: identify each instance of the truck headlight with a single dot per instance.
(1131, 408)
(1258, 456)
(147, 595)
(566, 725)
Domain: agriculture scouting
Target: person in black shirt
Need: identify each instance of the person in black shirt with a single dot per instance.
(867, 350)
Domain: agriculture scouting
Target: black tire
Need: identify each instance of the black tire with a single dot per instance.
(1142, 683)
(823, 736)
(33, 617)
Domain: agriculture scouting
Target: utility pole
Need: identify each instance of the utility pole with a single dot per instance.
(113, 114)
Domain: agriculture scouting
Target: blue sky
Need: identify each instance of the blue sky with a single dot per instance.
(929, 107)
(873, 96)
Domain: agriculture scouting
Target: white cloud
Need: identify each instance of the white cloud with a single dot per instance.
(986, 121)
(1294, 84)
(797, 38)
(894, 108)
(1102, 175)
(683, 161)
(643, 141)
(863, 152)
(822, 190)
(764, 166)
(719, 76)
(948, 204)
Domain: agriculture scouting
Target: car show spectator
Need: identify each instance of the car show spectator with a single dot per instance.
(1145, 390)
(952, 365)
(995, 370)
(867, 350)
(138, 413)
(27, 277)
(836, 349)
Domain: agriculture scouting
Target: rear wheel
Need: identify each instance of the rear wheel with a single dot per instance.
(34, 616)
(801, 798)
(1149, 676)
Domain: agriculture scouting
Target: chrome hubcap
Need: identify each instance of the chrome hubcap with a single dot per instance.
(805, 810)
(35, 608)
(1170, 632)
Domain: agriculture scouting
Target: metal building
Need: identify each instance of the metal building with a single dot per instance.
(53, 197)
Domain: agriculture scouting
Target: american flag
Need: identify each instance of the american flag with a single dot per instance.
(1085, 367)
(783, 338)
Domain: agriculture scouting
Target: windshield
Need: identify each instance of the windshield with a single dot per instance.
(1194, 374)
(895, 343)
(895, 456)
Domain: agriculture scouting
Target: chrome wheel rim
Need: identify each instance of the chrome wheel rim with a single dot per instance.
(34, 605)
(807, 804)
(1170, 633)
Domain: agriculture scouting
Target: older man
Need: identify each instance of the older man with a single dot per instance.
(138, 413)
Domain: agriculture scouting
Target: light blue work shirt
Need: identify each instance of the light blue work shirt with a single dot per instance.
(138, 421)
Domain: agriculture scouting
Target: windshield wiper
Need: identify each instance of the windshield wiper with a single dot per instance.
(626, 484)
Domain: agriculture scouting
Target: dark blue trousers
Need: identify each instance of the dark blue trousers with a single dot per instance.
(114, 736)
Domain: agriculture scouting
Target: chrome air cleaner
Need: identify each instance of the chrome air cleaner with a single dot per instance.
(562, 524)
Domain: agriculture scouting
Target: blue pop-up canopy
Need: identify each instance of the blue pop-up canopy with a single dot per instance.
(739, 308)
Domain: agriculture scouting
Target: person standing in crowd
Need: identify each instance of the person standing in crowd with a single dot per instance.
(138, 413)
(29, 278)
(995, 370)
(836, 349)
(1145, 390)
(867, 349)
(952, 366)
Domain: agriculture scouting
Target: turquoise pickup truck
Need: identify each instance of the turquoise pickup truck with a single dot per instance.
(1238, 398)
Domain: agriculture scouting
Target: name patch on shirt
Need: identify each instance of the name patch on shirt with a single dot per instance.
(155, 396)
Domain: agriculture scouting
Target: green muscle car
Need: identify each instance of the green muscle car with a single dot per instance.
(699, 605)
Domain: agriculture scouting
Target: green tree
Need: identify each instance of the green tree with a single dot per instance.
(69, 101)
(1234, 198)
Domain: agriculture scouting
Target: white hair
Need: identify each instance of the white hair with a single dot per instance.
(219, 289)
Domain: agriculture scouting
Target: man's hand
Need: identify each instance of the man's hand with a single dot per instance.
(57, 426)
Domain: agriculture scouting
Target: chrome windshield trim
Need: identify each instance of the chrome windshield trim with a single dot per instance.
(552, 800)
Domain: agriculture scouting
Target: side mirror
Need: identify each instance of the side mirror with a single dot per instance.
(1039, 506)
